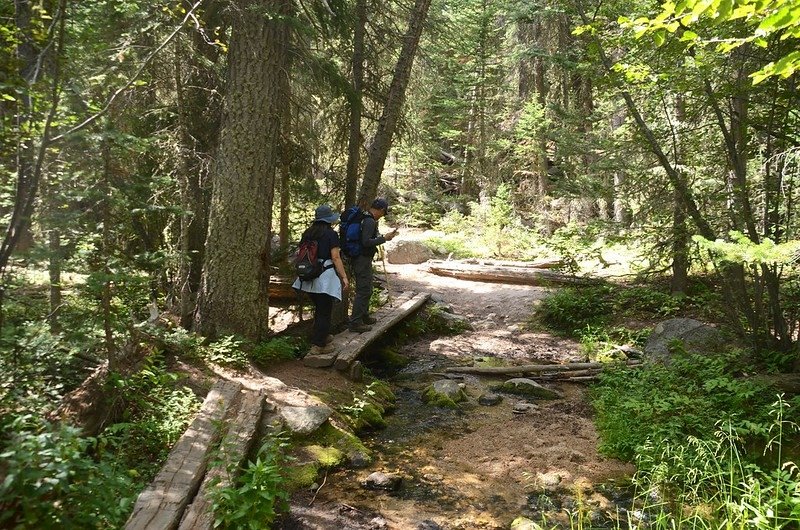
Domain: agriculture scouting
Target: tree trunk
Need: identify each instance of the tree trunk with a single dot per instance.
(235, 285)
(54, 270)
(199, 112)
(680, 232)
(354, 141)
(382, 141)
(286, 150)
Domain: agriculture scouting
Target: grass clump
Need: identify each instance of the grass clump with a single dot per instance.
(366, 412)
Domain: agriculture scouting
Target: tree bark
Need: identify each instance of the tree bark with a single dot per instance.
(354, 140)
(680, 232)
(199, 111)
(382, 141)
(234, 295)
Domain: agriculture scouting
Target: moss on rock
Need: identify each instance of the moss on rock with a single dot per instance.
(435, 397)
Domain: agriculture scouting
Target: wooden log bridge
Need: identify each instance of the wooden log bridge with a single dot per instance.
(349, 345)
(178, 498)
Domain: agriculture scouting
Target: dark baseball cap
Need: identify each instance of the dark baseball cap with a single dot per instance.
(381, 204)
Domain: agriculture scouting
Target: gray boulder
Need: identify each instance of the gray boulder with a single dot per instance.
(402, 251)
(305, 420)
(695, 336)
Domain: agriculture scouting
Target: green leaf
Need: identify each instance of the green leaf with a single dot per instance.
(779, 19)
(8, 97)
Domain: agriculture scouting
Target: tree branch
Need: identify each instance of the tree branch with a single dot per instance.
(91, 119)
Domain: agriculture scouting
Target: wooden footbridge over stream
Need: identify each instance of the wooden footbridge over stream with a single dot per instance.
(234, 417)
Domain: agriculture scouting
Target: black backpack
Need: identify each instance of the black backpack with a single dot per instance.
(350, 231)
(306, 263)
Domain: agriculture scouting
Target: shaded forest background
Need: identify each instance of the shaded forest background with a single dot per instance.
(169, 151)
(164, 155)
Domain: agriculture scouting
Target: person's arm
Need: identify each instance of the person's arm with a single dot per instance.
(368, 229)
(336, 257)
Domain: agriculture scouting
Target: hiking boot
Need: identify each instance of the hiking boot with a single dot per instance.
(360, 328)
(369, 320)
(328, 339)
(319, 350)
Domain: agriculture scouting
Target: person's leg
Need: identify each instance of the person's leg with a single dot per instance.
(362, 271)
(323, 307)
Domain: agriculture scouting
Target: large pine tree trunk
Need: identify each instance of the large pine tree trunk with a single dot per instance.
(235, 285)
(387, 123)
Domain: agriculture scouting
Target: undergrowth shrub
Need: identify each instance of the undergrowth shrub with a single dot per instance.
(673, 402)
(36, 370)
(714, 483)
(258, 494)
(276, 350)
(491, 230)
(51, 481)
(571, 309)
(156, 413)
(600, 343)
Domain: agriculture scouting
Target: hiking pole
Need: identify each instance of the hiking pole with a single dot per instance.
(386, 274)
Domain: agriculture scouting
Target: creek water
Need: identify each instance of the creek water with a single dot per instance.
(472, 468)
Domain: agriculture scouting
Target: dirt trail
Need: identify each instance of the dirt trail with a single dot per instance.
(480, 467)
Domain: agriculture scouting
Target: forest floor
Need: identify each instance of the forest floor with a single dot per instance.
(481, 466)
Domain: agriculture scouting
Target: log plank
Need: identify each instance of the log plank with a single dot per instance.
(234, 449)
(504, 274)
(161, 505)
(353, 347)
(532, 368)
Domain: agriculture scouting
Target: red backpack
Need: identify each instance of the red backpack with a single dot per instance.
(306, 263)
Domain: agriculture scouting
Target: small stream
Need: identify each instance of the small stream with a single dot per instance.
(461, 468)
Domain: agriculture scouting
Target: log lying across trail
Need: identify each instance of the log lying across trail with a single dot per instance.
(553, 263)
(348, 345)
(535, 368)
(527, 275)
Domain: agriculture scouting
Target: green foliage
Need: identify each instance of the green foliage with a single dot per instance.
(569, 310)
(714, 483)
(587, 311)
(258, 495)
(740, 249)
(767, 21)
(276, 350)
(227, 351)
(37, 368)
(670, 403)
(599, 343)
(52, 482)
(492, 230)
(156, 414)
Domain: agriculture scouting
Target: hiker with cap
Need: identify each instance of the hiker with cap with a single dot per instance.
(360, 318)
(328, 286)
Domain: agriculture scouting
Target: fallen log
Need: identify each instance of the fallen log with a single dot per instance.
(532, 368)
(354, 344)
(507, 274)
(233, 451)
(280, 289)
(552, 263)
